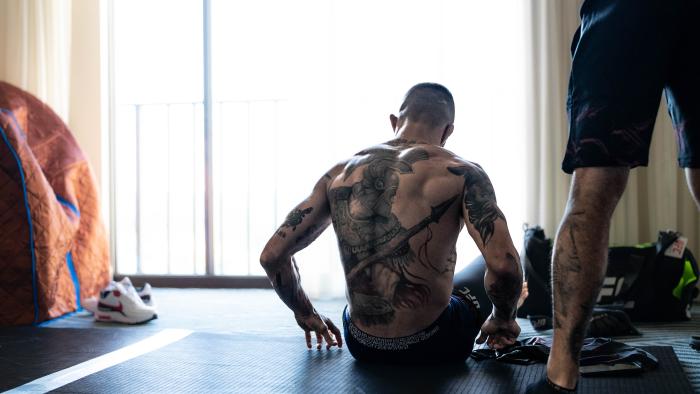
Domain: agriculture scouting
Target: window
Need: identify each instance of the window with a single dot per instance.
(158, 167)
(295, 87)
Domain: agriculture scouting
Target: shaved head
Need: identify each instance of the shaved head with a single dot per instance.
(428, 103)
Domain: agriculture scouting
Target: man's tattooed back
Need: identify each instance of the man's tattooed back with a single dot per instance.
(397, 212)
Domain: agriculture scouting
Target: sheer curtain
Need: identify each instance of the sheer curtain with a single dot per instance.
(35, 49)
(51, 49)
(656, 197)
(551, 24)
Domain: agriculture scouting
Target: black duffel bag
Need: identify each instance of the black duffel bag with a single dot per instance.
(650, 282)
(654, 281)
(536, 259)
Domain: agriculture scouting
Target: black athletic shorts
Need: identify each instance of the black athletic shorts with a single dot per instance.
(625, 53)
(449, 339)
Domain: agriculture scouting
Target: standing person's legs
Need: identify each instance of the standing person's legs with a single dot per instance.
(621, 58)
(683, 98)
(579, 262)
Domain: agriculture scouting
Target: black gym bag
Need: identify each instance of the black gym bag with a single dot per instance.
(536, 259)
(641, 280)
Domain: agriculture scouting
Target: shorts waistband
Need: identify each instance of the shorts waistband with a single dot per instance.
(381, 343)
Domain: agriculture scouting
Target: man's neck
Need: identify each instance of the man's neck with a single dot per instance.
(416, 133)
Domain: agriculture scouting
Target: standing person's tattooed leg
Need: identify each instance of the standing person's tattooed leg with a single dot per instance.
(578, 264)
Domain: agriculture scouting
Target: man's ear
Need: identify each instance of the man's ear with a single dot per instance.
(394, 121)
(447, 133)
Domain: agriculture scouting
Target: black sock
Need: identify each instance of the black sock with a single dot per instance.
(547, 386)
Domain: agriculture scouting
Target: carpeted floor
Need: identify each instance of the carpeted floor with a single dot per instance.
(259, 312)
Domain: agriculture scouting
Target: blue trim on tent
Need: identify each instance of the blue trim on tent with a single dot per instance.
(29, 214)
(68, 205)
(69, 256)
(55, 319)
(76, 282)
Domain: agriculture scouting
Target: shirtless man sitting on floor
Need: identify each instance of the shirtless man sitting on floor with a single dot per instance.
(397, 209)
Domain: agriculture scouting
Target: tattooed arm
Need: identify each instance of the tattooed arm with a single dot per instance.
(301, 227)
(503, 280)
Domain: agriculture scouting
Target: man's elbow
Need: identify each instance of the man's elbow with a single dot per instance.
(268, 258)
(508, 266)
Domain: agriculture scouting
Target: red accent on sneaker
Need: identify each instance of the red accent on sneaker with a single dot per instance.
(116, 293)
(113, 308)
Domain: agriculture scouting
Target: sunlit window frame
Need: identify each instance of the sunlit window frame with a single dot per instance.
(209, 279)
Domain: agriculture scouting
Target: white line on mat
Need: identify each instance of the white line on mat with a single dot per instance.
(89, 367)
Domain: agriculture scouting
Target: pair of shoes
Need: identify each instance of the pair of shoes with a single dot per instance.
(121, 302)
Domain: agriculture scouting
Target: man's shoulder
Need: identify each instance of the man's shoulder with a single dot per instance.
(468, 170)
(451, 159)
(398, 147)
(432, 154)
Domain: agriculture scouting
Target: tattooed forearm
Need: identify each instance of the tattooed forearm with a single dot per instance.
(287, 283)
(296, 217)
(479, 200)
(504, 296)
(504, 290)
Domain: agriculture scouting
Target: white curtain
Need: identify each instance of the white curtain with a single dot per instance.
(35, 49)
(656, 197)
(551, 25)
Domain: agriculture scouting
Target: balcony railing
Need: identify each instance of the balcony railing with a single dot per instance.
(159, 169)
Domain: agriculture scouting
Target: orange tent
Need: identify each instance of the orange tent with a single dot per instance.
(53, 245)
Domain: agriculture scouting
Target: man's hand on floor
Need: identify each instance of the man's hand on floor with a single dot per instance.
(324, 329)
(498, 333)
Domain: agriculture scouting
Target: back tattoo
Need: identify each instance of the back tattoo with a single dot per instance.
(374, 244)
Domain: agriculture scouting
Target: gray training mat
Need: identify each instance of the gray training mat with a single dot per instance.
(28, 353)
(244, 363)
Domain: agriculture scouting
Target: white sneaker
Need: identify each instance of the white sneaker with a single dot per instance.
(145, 292)
(123, 305)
